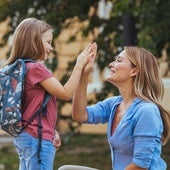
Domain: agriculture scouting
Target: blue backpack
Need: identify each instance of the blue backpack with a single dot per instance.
(11, 85)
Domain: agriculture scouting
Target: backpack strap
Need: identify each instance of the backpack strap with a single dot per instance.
(42, 111)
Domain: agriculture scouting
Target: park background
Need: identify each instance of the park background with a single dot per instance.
(112, 24)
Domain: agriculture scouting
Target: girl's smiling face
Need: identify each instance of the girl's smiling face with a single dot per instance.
(47, 40)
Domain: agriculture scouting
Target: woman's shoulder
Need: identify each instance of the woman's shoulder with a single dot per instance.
(114, 99)
(145, 104)
(144, 107)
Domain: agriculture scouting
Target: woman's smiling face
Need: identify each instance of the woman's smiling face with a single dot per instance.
(120, 69)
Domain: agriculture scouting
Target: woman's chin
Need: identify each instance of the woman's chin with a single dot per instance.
(109, 79)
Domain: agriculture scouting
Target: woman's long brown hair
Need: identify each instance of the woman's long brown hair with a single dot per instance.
(148, 83)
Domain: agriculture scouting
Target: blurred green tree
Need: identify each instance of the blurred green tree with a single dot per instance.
(130, 22)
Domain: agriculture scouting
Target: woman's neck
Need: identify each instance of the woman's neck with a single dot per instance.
(128, 96)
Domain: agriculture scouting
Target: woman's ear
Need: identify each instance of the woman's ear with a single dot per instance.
(135, 71)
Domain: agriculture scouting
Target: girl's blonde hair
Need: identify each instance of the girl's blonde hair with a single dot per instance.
(27, 42)
(148, 84)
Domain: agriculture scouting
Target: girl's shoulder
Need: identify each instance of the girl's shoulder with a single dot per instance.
(38, 70)
(36, 66)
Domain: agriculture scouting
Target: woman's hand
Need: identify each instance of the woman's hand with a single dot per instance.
(85, 55)
(57, 141)
(89, 67)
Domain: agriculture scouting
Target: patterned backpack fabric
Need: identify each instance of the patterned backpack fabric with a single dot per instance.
(11, 85)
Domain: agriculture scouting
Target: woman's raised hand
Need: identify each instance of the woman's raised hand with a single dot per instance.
(86, 55)
(89, 66)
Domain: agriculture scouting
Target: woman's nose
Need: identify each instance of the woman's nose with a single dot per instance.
(111, 64)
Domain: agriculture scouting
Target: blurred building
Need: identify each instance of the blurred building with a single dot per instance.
(67, 51)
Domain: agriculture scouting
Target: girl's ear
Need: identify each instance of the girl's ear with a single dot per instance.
(135, 71)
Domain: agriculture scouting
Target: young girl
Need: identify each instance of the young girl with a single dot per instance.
(32, 40)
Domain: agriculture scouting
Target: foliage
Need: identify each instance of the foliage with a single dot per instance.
(149, 22)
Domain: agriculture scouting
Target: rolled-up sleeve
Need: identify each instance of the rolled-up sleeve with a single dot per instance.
(147, 135)
(97, 114)
(100, 112)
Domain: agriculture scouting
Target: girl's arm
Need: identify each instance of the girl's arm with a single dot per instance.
(54, 87)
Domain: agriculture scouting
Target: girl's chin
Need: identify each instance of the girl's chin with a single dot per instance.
(46, 57)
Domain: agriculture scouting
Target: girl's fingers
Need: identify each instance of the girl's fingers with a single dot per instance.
(94, 48)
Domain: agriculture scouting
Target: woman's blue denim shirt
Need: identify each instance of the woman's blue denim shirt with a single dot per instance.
(137, 138)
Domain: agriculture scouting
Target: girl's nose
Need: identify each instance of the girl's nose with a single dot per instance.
(51, 48)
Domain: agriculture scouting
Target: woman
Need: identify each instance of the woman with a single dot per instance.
(32, 40)
(138, 124)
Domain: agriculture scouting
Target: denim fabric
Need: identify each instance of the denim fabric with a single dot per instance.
(26, 147)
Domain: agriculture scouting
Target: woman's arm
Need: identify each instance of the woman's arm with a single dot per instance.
(80, 101)
(54, 87)
(134, 167)
(80, 97)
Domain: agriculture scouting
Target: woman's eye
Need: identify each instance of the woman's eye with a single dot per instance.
(118, 59)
